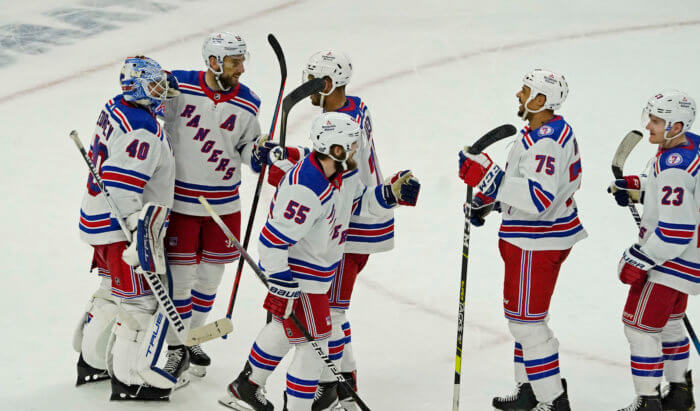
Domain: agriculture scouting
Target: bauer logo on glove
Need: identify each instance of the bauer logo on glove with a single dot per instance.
(402, 189)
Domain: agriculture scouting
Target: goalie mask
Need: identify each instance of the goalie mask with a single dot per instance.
(673, 107)
(334, 128)
(143, 82)
(548, 83)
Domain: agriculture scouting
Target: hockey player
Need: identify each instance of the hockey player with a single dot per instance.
(120, 333)
(540, 225)
(662, 267)
(300, 248)
(214, 126)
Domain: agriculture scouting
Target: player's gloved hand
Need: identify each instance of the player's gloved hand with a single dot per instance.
(401, 188)
(131, 255)
(478, 170)
(173, 85)
(280, 163)
(633, 266)
(626, 189)
(481, 206)
(283, 290)
(261, 149)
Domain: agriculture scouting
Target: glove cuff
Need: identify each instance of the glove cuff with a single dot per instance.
(635, 257)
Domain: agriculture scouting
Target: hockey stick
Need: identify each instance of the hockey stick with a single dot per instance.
(154, 282)
(486, 140)
(317, 348)
(261, 177)
(623, 151)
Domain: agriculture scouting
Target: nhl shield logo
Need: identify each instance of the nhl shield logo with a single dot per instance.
(217, 96)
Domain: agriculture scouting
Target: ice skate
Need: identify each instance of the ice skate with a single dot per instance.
(123, 392)
(244, 395)
(178, 362)
(561, 403)
(644, 403)
(199, 361)
(326, 397)
(346, 402)
(680, 395)
(87, 373)
(523, 399)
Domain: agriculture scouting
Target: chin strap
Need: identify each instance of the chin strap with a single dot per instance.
(527, 111)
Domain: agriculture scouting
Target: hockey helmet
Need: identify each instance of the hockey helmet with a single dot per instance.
(548, 83)
(672, 106)
(334, 128)
(220, 45)
(144, 82)
(331, 63)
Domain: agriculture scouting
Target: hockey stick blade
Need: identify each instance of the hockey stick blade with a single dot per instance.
(498, 133)
(278, 52)
(305, 90)
(623, 151)
(207, 332)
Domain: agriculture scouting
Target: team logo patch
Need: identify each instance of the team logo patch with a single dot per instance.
(674, 159)
(545, 131)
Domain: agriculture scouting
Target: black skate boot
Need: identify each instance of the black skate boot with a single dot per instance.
(523, 399)
(123, 392)
(347, 403)
(244, 395)
(561, 403)
(326, 397)
(199, 360)
(680, 396)
(87, 373)
(645, 403)
(178, 362)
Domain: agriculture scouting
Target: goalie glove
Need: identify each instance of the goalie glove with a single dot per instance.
(479, 171)
(283, 291)
(401, 188)
(626, 189)
(634, 264)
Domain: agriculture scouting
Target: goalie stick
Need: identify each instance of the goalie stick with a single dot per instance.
(486, 140)
(623, 151)
(261, 177)
(317, 348)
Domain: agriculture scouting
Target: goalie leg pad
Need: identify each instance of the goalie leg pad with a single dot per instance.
(97, 328)
(102, 292)
(139, 342)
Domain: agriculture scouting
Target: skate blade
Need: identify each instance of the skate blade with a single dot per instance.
(346, 406)
(234, 403)
(88, 379)
(182, 381)
(198, 370)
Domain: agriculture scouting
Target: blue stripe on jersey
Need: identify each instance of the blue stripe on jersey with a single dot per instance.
(210, 201)
(125, 171)
(542, 223)
(243, 106)
(380, 196)
(123, 186)
(206, 188)
(279, 234)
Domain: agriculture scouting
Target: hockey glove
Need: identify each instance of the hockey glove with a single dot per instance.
(173, 86)
(280, 164)
(479, 171)
(401, 188)
(283, 290)
(633, 266)
(481, 206)
(626, 189)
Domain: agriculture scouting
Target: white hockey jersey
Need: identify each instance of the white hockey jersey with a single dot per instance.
(308, 223)
(669, 230)
(542, 174)
(135, 160)
(212, 134)
(368, 233)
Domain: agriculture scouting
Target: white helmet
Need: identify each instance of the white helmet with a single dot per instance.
(548, 83)
(672, 106)
(220, 45)
(332, 63)
(334, 128)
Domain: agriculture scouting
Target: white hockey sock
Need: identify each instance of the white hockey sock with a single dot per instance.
(646, 360)
(347, 363)
(204, 291)
(676, 351)
(269, 348)
(519, 364)
(336, 344)
(182, 278)
(541, 358)
(303, 376)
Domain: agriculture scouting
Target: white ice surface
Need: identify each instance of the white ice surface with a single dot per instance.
(436, 75)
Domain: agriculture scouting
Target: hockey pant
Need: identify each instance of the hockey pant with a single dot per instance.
(654, 329)
(95, 326)
(530, 277)
(137, 343)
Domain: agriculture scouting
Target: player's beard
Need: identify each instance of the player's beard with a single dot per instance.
(350, 163)
(227, 82)
(316, 99)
